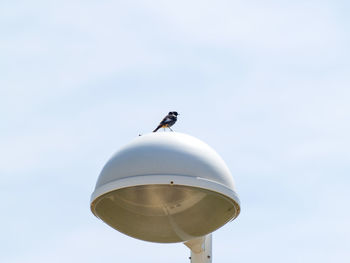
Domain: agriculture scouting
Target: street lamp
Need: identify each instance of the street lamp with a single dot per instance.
(167, 187)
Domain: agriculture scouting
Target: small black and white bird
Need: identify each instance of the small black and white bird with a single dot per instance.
(168, 121)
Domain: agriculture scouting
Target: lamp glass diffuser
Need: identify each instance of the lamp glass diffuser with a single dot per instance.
(164, 213)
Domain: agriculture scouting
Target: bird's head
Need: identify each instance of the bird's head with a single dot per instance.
(173, 113)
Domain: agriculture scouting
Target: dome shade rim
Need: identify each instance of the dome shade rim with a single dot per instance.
(165, 179)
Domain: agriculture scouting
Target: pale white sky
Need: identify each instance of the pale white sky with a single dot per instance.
(265, 83)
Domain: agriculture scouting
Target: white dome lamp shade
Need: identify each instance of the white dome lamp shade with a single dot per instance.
(167, 187)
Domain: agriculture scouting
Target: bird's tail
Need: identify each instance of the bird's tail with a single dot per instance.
(156, 129)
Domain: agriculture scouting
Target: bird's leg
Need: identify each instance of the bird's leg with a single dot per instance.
(170, 129)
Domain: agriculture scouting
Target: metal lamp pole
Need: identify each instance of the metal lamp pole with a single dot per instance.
(201, 249)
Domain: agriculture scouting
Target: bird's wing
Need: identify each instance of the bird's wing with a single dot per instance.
(166, 120)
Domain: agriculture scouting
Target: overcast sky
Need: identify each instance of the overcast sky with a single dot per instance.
(265, 83)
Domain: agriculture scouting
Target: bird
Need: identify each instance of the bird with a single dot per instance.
(168, 121)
